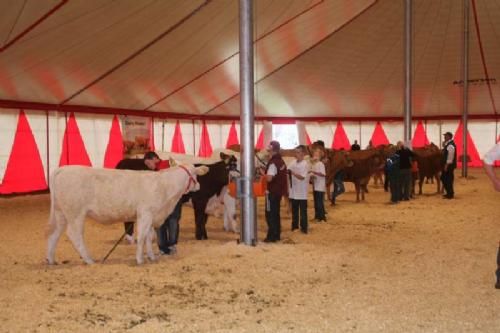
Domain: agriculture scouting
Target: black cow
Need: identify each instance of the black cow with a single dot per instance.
(210, 184)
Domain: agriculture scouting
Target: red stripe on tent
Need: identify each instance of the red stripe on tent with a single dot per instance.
(138, 52)
(232, 138)
(33, 26)
(420, 137)
(205, 145)
(73, 149)
(308, 139)
(260, 140)
(340, 139)
(483, 60)
(114, 150)
(177, 141)
(24, 172)
(378, 136)
(474, 159)
(36, 106)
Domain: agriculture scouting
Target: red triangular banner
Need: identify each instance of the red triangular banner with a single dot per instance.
(177, 141)
(24, 172)
(474, 159)
(232, 138)
(420, 137)
(205, 145)
(152, 135)
(497, 163)
(260, 140)
(114, 150)
(340, 139)
(378, 136)
(308, 139)
(73, 149)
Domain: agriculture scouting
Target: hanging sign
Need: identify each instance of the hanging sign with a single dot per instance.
(136, 135)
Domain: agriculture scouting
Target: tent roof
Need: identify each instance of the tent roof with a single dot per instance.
(313, 58)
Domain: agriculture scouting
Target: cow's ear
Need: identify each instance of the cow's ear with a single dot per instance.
(172, 162)
(201, 170)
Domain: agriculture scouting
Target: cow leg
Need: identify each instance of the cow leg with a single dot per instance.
(438, 182)
(420, 183)
(199, 206)
(149, 244)
(357, 187)
(57, 226)
(144, 225)
(75, 234)
(204, 226)
(363, 189)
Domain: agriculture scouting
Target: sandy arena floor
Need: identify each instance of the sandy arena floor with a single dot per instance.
(421, 266)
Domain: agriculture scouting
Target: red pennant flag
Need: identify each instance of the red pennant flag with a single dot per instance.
(232, 139)
(260, 140)
(340, 139)
(73, 149)
(308, 139)
(177, 141)
(420, 137)
(474, 159)
(114, 150)
(205, 145)
(378, 136)
(152, 135)
(24, 172)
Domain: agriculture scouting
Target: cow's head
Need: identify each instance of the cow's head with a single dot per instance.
(193, 172)
(230, 160)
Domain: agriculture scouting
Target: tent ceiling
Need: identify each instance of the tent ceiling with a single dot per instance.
(314, 58)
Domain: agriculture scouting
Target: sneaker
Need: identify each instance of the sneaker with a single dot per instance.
(164, 253)
(172, 249)
(130, 239)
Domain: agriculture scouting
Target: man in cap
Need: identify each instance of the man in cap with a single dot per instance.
(276, 177)
(449, 165)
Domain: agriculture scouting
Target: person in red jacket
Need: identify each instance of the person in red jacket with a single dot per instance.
(276, 176)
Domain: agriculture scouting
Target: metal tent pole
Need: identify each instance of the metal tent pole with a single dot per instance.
(408, 73)
(248, 207)
(465, 90)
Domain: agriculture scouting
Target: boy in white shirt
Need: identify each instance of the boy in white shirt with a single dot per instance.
(319, 187)
(299, 171)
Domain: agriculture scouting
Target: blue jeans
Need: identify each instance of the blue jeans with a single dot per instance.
(338, 185)
(168, 233)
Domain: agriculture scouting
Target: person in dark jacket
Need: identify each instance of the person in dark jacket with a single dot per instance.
(449, 165)
(405, 159)
(355, 146)
(276, 175)
(393, 174)
(148, 162)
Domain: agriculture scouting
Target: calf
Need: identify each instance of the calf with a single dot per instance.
(108, 196)
(365, 163)
(429, 161)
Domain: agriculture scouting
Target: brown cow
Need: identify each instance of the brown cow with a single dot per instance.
(429, 160)
(365, 164)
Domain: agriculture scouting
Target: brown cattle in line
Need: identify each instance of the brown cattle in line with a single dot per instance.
(365, 164)
(429, 160)
(386, 151)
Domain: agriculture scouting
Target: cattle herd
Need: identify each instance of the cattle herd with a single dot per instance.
(110, 196)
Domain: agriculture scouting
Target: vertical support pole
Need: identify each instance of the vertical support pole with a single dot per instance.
(408, 73)
(465, 91)
(194, 138)
(248, 207)
(440, 134)
(360, 139)
(48, 146)
(163, 135)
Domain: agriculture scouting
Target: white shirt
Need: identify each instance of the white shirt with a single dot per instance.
(319, 181)
(451, 152)
(272, 170)
(299, 188)
(492, 155)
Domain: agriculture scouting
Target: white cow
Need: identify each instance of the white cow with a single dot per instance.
(109, 196)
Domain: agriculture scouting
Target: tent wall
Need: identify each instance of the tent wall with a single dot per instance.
(95, 130)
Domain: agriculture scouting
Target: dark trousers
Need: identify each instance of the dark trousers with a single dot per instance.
(129, 228)
(395, 186)
(447, 178)
(299, 207)
(273, 218)
(338, 186)
(168, 233)
(405, 181)
(386, 181)
(319, 205)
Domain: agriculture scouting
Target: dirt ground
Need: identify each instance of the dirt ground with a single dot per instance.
(421, 266)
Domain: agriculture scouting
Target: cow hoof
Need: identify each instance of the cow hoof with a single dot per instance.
(51, 262)
(152, 257)
(89, 261)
